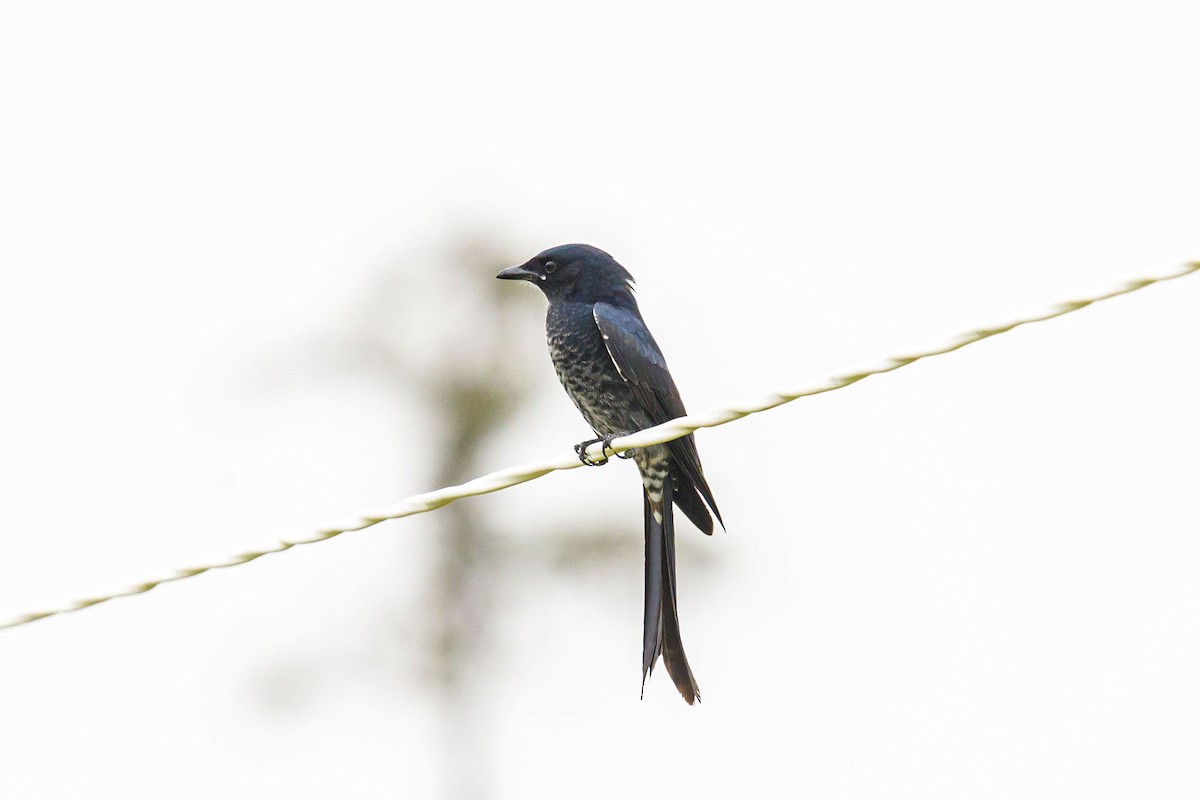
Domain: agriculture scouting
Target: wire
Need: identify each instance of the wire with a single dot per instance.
(674, 429)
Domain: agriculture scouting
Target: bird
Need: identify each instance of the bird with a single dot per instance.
(616, 375)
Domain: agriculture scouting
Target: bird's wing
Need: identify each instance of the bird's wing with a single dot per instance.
(642, 365)
(640, 362)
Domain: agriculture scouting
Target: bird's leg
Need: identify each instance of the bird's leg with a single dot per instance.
(607, 440)
(581, 451)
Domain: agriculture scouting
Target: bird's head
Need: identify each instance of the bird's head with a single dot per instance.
(575, 272)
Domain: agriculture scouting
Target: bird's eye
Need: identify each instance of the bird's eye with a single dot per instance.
(550, 267)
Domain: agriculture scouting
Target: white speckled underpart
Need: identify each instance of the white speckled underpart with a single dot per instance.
(601, 394)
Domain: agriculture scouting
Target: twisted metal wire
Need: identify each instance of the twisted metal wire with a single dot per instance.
(674, 429)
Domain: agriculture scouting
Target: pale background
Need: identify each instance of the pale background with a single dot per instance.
(973, 578)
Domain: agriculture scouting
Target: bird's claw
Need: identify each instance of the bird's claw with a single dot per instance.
(581, 451)
(606, 440)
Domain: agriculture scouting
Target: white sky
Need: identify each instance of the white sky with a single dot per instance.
(972, 578)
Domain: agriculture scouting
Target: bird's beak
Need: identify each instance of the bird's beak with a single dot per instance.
(518, 273)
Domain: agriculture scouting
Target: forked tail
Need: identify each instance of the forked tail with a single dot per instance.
(660, 632)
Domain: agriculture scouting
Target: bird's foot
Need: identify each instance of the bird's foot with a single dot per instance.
(581, 451)
(624, 455)
(606, 440)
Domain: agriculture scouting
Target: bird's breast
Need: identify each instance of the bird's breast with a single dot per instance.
(588, 374)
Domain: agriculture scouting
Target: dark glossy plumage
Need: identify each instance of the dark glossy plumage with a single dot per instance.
(615, 373)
